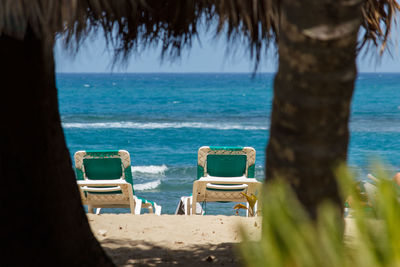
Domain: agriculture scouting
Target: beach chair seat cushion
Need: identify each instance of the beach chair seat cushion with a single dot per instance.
(103, 169)
(226, 165)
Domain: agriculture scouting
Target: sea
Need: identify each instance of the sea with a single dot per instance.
(162, 119)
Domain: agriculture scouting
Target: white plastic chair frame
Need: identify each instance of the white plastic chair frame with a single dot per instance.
(126, 199)
(201, 186)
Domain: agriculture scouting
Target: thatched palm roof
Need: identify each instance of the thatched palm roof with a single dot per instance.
(130, 23)
(378, 18)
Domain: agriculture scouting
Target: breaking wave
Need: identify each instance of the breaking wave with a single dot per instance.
(162, 125)
(151, 169)
(146, 186)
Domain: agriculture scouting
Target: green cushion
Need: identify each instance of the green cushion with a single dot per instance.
(226, 165)
(200, 171)
(103, 169)
(79, 174)
(251, 171)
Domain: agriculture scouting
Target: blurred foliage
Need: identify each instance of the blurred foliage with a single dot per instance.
(369, 236)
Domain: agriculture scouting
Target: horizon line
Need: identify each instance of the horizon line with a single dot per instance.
(204, 72)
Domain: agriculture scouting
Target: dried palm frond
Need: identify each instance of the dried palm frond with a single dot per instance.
(379, 16)
(174, 23)
(256, 22)
(131, 24)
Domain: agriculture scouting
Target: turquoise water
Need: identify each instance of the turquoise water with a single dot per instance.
(162, 120)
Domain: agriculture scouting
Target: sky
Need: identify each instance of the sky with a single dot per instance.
(207, 55)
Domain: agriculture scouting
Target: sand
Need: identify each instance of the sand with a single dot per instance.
(172, 240)
(175, 240)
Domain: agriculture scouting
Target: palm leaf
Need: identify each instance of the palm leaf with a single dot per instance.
(132, 25)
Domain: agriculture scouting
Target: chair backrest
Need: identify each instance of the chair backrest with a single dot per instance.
(103, 169)
(103, 165)
(226, 161)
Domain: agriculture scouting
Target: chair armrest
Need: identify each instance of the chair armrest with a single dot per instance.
(115, 182)
(373, 178)
(107, 185)
(226, 187)
(228, 180)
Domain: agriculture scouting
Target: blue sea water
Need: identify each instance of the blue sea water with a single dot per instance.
(163, 119)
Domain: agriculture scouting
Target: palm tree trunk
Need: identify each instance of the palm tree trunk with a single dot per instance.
(42, 222)
(312, 95)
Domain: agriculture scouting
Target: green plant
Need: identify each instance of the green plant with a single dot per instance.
(251, 199)
(291, 238)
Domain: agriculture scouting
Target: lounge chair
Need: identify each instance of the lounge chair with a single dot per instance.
(371, 188)
(104, 178)
(223, 174)
(368, 189)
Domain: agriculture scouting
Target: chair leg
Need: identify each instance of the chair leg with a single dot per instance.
(194, 204)
(255, 211)
(90, 209)
(150, 208)
(138, 206)
(132, 210)
(188, 206)
(157, 209)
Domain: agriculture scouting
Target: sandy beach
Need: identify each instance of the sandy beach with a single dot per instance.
(150, 240)
(174, 240)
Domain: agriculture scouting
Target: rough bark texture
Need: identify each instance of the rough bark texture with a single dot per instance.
(312, 95)
(43, 222)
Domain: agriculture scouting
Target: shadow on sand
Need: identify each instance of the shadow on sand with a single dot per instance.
(125, 252)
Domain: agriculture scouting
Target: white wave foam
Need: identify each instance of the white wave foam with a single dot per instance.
(152, 169)
(379, 126)
(162, 125)
(146, 186)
